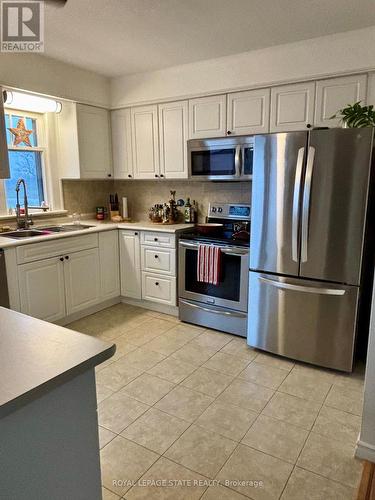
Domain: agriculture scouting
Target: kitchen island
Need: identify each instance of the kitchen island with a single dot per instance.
(48, 420)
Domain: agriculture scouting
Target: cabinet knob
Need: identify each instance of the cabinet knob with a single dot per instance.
(155, 239)
(156, 283)
(229, 132)
(129, 176)
(66, 257)
(109, 175)
(156, 175)
(308, 125)
(156, 256)
(135, 234)
(62, 259)
(161, 175)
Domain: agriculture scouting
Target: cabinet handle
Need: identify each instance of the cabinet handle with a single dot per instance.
(229, 132)
(161, 175)
(156, 256)
(62, 259)
(129, 176)
(156, 175)
(308, 125)
(109, 175)
(155, 239)
(135, 234)
(66, 257)
(156, 283)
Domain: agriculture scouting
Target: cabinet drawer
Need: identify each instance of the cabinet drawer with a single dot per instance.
(52, 248)
(159, 288)
(159, 260)
(158, 239)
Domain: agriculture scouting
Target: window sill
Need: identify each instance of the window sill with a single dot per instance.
(36, 215)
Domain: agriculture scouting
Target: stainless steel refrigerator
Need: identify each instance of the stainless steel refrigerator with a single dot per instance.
(310, 199)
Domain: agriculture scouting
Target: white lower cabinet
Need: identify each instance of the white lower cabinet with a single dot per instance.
(82, 280)
(42, 291)
(109, 264)
(159, 288)
(130, 264)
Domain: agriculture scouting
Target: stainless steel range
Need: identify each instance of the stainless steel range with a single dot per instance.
(223, 306)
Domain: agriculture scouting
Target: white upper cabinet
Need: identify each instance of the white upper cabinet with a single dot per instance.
(122, 144)
(248, 112)
(94, 142)
(145, 140)
(207, 117)
(292, 107)
(173, 131)
(334, 94)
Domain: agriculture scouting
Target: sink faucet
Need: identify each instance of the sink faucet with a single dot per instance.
(23, 222)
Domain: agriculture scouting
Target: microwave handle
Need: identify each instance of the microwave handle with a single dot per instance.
(237, 161)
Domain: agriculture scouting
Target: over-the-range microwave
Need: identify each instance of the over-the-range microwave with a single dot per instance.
(225, 159)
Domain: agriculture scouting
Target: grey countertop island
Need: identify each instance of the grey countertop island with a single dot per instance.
(48, 419)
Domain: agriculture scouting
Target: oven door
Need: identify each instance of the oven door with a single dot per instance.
(233, 288)
(214, 161)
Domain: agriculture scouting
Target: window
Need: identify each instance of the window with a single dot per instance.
(26, 154)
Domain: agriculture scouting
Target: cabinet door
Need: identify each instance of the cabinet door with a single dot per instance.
(94, 142)
(336, 93)
(4, 162)
(173, 124)
(248, 112)
(122, 144)
(42, 293)
(144, 124)
(130, 266)
(207, 117)
(82, 280)
(109, 264)
(292, 107)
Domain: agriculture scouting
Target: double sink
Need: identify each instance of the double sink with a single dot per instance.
(44, 231)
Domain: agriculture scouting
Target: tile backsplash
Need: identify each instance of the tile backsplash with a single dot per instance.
(84, 196)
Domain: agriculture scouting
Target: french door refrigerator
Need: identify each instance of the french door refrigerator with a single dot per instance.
(310, 197)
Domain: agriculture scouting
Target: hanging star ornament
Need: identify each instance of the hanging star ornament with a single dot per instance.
(21, 135)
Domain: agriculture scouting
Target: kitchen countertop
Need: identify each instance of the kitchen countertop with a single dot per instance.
(36, 356)
(96, 226)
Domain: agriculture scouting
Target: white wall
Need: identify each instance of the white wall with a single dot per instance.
(319, 57)
(41, 74)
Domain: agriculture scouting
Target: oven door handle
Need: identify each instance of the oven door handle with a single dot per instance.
(188, 245)
(215, 311)
(230, 251)
(236, 253)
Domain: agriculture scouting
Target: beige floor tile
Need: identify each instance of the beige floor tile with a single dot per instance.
(184, 403)
(213, 340)
(226, 363)
(118, 411)
(188, 331)
(148, 330)
(155, 430)
(102, 392)
(122, 461)
(345, 398)
(118, 374)
(304, 484)
(221, 493)
(105, 436)
(200, 450)
(194, 354)
(148, 389)
(108, 495)
(246, 395)
(266, 375)
(173, 370)
(317, 373)
(186, 484)
(143, 358)
(306, 385)
(274, 361)
(123, 345)
(277, 438)
(238, 347)
(249, 465)
(168, 343)
(117, 355)
(338, 424)
(168, 317)
(332, 459)
(207, 381)
(296, 411)
(227, 420)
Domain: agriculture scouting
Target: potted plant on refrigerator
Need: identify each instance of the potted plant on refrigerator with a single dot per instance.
(356, 116)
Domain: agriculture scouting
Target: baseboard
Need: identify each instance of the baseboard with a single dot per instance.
(88, 311)
(152, 306)
(365, 451)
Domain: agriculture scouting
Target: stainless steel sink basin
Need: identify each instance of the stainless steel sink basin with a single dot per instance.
(66, 228)
(23, 233)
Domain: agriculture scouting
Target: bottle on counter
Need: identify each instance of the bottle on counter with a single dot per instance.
(188, 212)
(195, 212)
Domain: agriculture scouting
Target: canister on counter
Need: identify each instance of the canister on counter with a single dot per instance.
(100, 213)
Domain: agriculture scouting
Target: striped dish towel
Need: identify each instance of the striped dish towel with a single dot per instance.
(209, 264)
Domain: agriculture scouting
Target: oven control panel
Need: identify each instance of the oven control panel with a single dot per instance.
(230, 210)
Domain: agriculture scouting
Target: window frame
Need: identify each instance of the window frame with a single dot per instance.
(42, 147)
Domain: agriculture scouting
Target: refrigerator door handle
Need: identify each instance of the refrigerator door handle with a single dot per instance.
(296, 198)
(300, 288)
(306, 202)
(237, 162)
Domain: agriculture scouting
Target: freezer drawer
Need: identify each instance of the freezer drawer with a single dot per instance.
(305, 320)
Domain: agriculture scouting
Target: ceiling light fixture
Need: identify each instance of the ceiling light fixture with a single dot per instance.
(30, 102)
